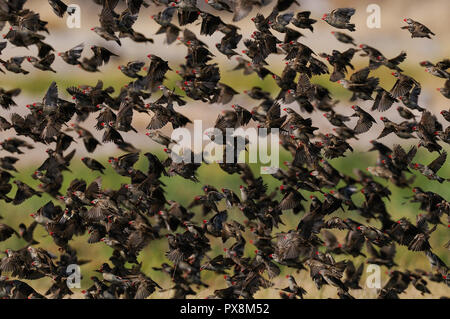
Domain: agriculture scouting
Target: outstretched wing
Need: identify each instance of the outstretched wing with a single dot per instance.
(399, 58)
(386, 131)
(343, 14)
(360, 76)
(438, 162)
(51, 97)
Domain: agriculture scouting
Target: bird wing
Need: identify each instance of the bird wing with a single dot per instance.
(438, 162)
(399, 58)
(386, 131)
(48, 60)
(371, 250)
(388, 252)
(386, 101)
(32, 226)
(128, 160)
(51, 97)
(363, 125)
(399, 153)
(411, 153)
(76, 51)
(274, 111)
(343, 14)
(329, 238)
(400, 88)
(241, 9)
(303, 14)
(360, 76)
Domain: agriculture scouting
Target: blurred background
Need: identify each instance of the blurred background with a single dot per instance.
(389, 39)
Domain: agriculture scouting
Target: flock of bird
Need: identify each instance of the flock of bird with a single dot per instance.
(132, 216)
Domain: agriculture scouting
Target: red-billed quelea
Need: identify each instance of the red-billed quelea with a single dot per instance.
(340, 18)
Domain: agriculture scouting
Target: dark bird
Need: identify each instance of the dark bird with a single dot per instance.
(340, 18)
(344, 38)
(24, 192)
(445, 91)
(383, 100)
(430, 170)
(73, 55)
(43, 64)
(417, 29)
(102, 55)
(6, 97)
(14, 65)
(58, 7)
(403, 85)
(302, 20)
(132, 69)
(27, 233)
(365, 120)
(6, 232)
(93, 164)
(293, 289)
(353, 275)
(361, 84)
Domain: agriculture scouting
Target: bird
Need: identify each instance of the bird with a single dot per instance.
(58, 7)
(416, 238)
(293, 289)
(360, 84)
(431, 169)
(403, 85)
(93, 164)
(73, 55)
(343, 37)
(340, 18)
(445, 91)
(302, 20)
(24, 192)
(417, 29)
(14, 65)
(27, 232)
(6, 232)
(439, 69)
(365, 121)
(43, 64)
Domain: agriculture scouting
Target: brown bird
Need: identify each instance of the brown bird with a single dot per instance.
(43, 64)
(58, 7)
(73, 55)
(417, 29)
(27, 233)
(430, 170)
(93, 164)
(414, 237)
(340, 18)
(6, 232)
(403, 85)
(365, 120)
(24, 192)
